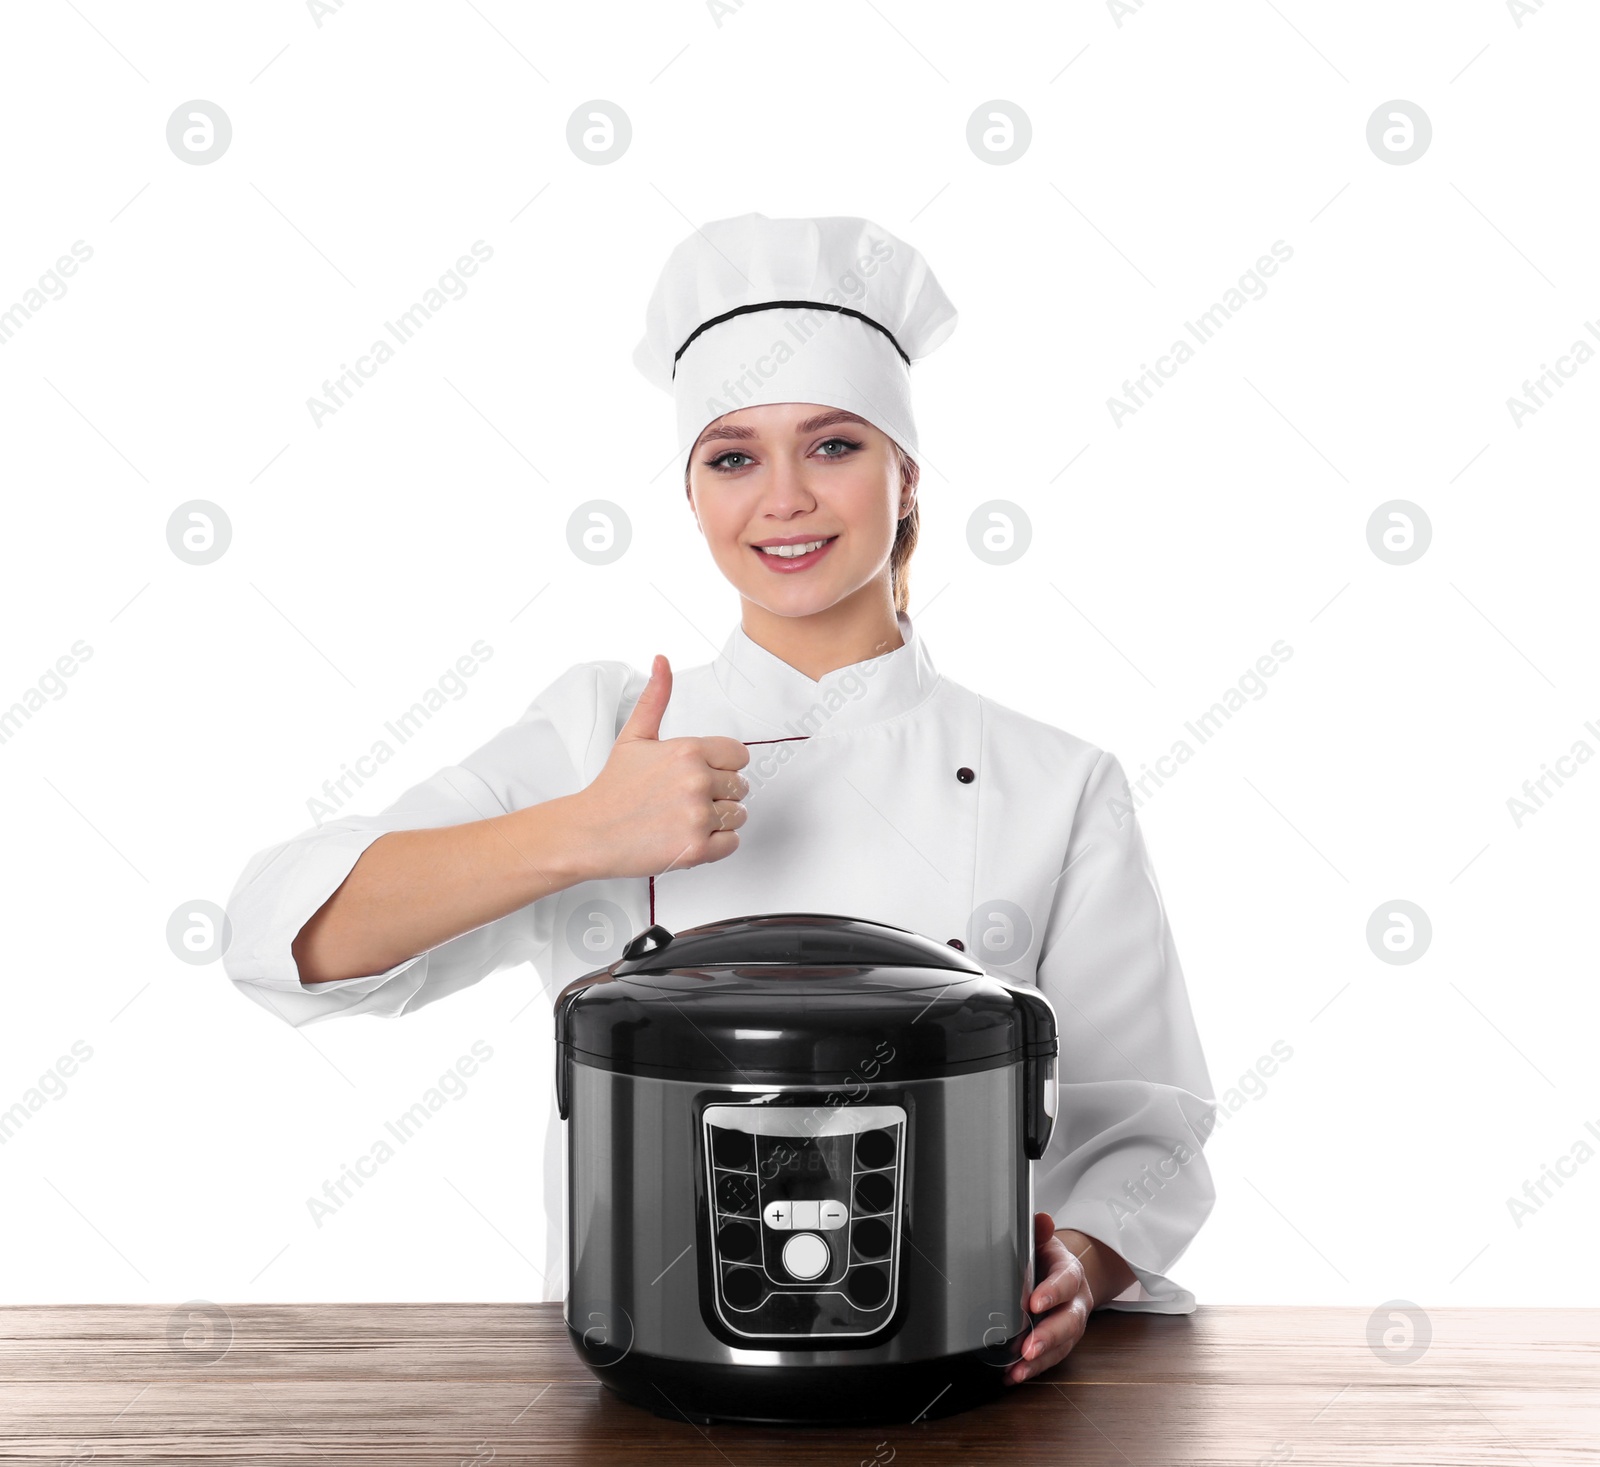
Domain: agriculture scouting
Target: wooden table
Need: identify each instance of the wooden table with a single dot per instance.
(494, 1383)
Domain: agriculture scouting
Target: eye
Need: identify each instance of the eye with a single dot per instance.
(719, 462)
(849, 444)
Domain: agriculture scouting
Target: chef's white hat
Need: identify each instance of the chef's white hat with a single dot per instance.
(754, 310)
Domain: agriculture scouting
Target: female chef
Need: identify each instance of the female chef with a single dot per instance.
(819, 763)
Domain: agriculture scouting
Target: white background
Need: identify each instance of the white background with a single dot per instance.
(1168, 153)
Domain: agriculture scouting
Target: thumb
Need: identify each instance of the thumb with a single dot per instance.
(645, 720)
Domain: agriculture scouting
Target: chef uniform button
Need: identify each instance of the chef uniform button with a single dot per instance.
(957, 943)
(965, 775)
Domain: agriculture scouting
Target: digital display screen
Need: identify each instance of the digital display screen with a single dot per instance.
(804, 1167)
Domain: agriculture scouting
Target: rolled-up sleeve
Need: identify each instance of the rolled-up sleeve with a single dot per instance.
(552, 750)
(1125, 1163)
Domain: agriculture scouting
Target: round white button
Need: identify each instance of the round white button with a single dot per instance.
(805, 1255)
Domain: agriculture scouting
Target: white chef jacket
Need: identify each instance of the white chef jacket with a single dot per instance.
(885, 791)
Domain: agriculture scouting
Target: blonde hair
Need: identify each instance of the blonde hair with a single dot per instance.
(905, 533)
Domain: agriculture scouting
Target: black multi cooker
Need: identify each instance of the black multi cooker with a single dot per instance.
(797, 1153)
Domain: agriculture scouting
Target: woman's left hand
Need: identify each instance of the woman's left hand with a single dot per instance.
(1065, 1295)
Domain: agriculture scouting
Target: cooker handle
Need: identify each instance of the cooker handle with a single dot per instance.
(1038, 1070)
(651, 940)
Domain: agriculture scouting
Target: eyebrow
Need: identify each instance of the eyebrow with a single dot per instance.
(741, 434)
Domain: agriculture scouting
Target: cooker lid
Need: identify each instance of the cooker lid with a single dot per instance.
(789, 939)
(798, 997)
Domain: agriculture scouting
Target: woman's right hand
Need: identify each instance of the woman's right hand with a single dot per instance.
(662, 804)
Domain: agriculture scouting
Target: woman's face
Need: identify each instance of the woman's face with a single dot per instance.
(796, 472)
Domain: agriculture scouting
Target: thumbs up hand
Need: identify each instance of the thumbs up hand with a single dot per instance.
(663, 804)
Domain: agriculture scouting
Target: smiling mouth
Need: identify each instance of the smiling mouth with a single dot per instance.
(794, 552)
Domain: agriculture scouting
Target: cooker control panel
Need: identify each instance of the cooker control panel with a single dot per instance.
(805, 1216)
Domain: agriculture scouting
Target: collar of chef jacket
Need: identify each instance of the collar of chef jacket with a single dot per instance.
(761, 684)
